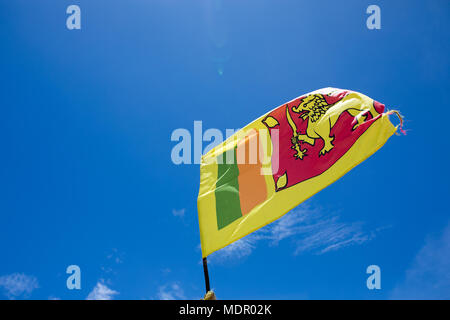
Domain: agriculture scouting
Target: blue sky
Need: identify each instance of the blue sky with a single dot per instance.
(85, 164)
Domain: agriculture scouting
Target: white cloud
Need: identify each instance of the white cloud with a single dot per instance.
(171, 292)
(429, 275)
(18, 285)
(166, 271)
(309, 229)
(316, 232)
(178, 213)
(101, 292)
(116, 256)
(237, 250)
(319, 234)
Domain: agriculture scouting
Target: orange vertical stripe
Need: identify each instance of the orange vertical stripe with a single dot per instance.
(252, 185)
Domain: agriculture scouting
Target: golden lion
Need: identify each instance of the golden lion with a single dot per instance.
(322, 117)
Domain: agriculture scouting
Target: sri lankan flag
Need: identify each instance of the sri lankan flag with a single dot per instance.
(283, 158)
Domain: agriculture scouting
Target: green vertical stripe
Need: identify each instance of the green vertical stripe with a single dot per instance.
(228, 206)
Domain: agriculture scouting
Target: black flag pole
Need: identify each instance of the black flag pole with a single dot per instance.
(205, 270)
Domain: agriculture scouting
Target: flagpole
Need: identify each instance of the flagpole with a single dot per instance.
(205, 270)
